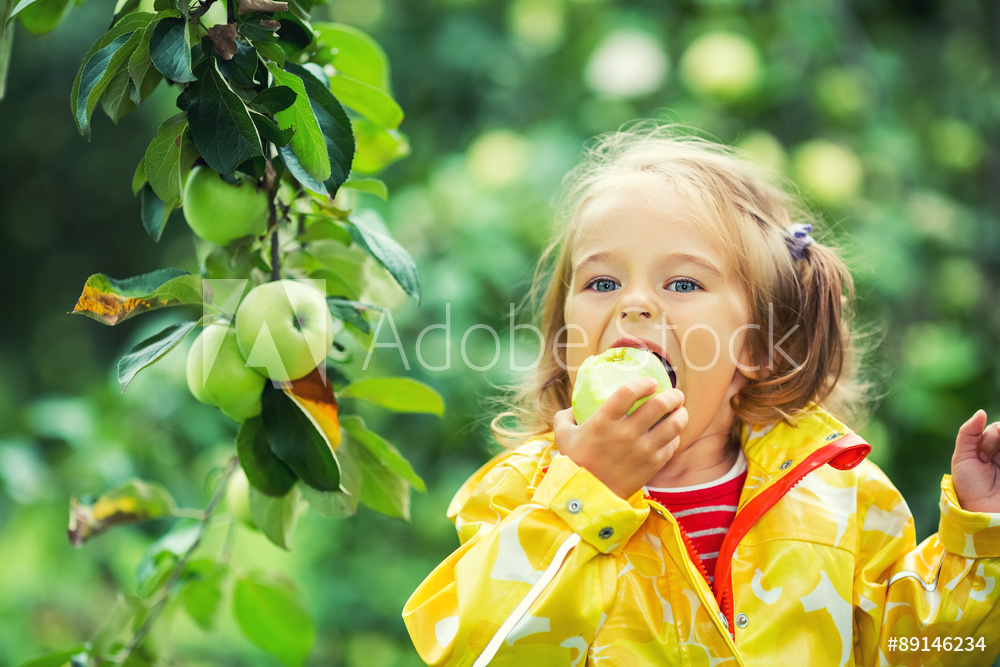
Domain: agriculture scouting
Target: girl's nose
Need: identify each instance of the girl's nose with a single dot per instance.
(635, 313)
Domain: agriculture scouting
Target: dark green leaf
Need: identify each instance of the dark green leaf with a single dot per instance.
(391, 255)
(154, 212)
(271, 51)
(170, 50)
(135, 21)
(272, 615)
(265, 471)
(269, 131)
(221, 127)
(334, 124)
(97, 73)
(384, 452)
(295, 440)
(150, 351)
(274, 99)
(242, 69)
(255, 32)
(128, 7)
(162, 161)
(117, 99)
(276, 517)
(142, 74)
(6, 49)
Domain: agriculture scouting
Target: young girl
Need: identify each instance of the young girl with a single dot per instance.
(731, 520)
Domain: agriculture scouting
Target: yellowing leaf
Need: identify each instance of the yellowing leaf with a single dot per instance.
(314, 396)
(131, 502)
(112, 301)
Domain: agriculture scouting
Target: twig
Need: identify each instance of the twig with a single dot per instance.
(175, 575)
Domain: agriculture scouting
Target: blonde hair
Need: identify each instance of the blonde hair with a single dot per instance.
(812, 298)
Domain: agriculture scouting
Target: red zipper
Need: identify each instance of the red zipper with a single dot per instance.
(843, 454)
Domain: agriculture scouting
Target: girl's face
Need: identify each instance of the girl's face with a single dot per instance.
(645, 275)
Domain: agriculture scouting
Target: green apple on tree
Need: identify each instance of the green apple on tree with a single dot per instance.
(221, 212)
(601, 374)
(218, 375)
(284, 329)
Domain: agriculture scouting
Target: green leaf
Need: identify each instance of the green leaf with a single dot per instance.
(274, 99)
(138, 178)
(153, 211)
(170, 50)
(57, 658)
(162, 161)
(242, 68)
(370, 185)
(150, 351)
(391, 255)
(396, 394)
(256, 33)
(98, 72)
(116, 100)
(353, 52)
(271, 614)
(269, 50)
(334, 124)
(276, 517)
(377, 148)
(308, 144)
(382, 489)
(42, 16)
(351, 312)
(161, 556)
(201, 595)
(143, 76)
(339, 504)
(6, 48)
(265, 471)
(221, 126)
(374, 104)
(297, 441)
(269, 130)
(112, 301)
(17, 8)
(136, 21)
(383, 452)
(130, 502)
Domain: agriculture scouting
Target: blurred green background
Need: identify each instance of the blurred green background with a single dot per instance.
(885, 113)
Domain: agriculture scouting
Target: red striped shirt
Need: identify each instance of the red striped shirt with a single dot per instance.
(706, 511)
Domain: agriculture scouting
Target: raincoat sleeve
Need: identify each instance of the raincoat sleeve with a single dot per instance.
(535, 567)
(943, 589)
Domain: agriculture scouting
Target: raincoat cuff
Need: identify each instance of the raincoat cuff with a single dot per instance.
(969, 534)
(590, 508)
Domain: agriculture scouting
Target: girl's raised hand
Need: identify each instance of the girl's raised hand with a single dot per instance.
(975, 465)
(625, 450)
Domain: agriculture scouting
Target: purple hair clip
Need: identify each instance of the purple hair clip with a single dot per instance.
(798, 240)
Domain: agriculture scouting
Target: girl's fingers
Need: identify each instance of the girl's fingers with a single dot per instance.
(650, 413)
(669, 428)
(970, 436)
(625, 396)
(562, 423)
(990, 442)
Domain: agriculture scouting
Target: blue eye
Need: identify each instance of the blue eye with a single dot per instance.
(683, 285)
(602, 285)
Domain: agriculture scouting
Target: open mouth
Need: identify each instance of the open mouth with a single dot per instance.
(643, 345)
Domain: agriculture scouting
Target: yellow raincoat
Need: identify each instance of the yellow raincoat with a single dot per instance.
(820, 567)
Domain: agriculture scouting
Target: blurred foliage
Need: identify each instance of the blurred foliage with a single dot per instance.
(885, 114)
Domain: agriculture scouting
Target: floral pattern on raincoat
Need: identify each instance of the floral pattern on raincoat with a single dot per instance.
(819, 568)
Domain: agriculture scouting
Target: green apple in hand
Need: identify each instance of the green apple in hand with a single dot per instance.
(218, 375)
(221, 212)
(284, 329)
(600, 375)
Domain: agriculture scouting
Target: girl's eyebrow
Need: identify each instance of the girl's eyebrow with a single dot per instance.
(674, 257)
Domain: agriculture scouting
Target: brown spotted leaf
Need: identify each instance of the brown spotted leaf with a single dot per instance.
(248, 6)
(131, 502)
(223, 38)
(111, 301)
